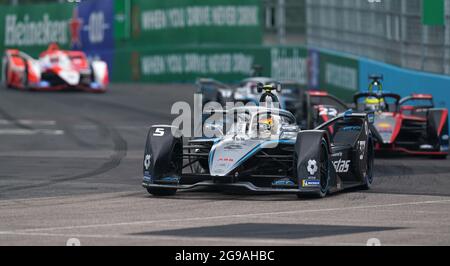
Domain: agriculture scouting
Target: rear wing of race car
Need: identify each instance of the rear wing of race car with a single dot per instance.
(210, 82)
(12, 52)
(214, 90)
(425, 98)
(16, 52)
(324, 95)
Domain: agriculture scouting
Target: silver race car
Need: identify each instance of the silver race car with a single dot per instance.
(261, 149)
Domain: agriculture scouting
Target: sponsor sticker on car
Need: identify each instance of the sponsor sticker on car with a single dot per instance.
(311, 183)
(341, 166)
(312, 167)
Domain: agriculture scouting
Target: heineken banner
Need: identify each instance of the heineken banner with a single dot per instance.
(31, 28)
(182, 22)
(87, 26)
(228, 64)
(101, 27)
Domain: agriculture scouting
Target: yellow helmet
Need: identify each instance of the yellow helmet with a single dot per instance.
(266, 121)
(373, 100)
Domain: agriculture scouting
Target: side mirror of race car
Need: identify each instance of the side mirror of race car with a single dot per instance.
(260, 87)
(371, 117)
(279, 88)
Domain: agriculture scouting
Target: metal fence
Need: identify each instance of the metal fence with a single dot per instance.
(389, 31)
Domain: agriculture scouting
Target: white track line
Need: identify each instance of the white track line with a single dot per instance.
(227, 216)
(29, 122)
(220, 241)
(27, 132)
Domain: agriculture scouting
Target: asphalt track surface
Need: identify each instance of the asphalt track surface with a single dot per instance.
(70, 167)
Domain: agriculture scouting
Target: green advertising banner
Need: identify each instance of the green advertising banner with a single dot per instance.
(31, 28)
(225, 63)
(339, 75)
(178, 64)
(193, 22)
(163, 41)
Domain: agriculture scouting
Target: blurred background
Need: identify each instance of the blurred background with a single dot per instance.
(322, 44)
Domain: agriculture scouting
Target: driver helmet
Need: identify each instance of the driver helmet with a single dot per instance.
(53, 47)
(373, 103)
(267, 126)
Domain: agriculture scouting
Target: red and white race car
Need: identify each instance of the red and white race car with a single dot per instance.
(55, 69)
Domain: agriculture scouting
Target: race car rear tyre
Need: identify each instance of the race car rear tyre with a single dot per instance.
(368, 178)
(162, 192)
(324, 169)
(5, 71)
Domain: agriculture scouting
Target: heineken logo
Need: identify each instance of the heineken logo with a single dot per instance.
(96, 27)
(74, 27)
(289, 64)
(24, 32)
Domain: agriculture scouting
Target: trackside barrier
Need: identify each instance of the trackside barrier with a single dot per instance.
(340, 79)
(181, 40)
(405, 82)
(224, 63)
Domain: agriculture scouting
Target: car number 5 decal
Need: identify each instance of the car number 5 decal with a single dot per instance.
(159, 132)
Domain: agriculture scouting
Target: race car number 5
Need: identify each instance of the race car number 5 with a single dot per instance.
(159, 132)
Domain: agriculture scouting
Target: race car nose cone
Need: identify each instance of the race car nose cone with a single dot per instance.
(426, 147)
(228, 155)
(69, 76)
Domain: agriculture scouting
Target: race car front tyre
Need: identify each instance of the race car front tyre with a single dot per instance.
(324, 170)
(162, 192)
(25, 75)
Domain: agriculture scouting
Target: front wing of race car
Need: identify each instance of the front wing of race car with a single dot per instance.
(250, 170)
(95, 79)
(249, 186)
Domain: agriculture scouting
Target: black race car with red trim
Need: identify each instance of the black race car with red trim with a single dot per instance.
(55, 69)
(410, 125)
